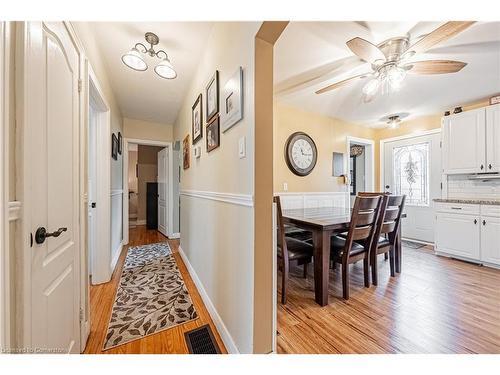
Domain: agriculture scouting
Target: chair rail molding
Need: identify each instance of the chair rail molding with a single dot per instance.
(232, 198)
(300, 200)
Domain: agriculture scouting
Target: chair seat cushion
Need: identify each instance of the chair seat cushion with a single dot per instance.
(296, 249)
(299, 234)
(338, 245)
(382, 241)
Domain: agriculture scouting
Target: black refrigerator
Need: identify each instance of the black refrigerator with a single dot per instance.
(152, 205)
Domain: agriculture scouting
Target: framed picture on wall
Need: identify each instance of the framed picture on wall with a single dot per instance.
(213, 134)
(212, 96)
(114, 147)
(120, 143)
(185, 152)
(197, 120)
(232, 100)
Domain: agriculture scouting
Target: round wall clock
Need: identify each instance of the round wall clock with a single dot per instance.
(300, 153)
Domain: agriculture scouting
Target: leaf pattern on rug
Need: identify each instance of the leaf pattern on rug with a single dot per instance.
(151, 296)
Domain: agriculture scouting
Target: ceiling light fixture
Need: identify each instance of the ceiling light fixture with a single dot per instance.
(393, 122)
(134, 59)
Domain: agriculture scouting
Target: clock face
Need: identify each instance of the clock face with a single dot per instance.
(300, 154)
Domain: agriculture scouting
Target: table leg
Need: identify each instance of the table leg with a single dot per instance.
(398, 250)
(321, 241)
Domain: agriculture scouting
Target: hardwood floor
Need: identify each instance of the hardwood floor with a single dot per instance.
(168, 341)
(437, 305)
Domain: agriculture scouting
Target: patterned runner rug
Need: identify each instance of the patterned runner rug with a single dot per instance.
(151, 296)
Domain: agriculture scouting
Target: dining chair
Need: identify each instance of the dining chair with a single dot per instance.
(373, 194)
(388, 225)
(289, 249)
(356, 246)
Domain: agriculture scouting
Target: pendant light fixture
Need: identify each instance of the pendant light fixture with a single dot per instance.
(134, 58)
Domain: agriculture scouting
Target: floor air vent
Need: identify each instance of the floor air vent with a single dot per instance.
(201, 341)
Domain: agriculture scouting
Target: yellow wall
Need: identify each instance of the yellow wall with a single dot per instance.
(330, 136)
(139, 129)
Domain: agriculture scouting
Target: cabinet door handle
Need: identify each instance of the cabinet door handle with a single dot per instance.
(456, 208)
(489, 166)
(482, 167)
(475, 221)
(484, 222)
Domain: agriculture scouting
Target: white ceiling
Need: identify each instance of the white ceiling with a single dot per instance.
(316, 53)
(145, 95)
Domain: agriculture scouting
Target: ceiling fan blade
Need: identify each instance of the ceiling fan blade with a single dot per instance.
(434, 66)
(442, 33)
(341, 83)
(365, 50)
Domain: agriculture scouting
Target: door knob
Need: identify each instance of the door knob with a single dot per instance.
(41, 234)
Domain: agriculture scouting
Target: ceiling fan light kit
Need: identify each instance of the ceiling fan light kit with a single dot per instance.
(391, 60)
(134, 59)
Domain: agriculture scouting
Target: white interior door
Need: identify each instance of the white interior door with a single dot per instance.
(92, 187)
(52, 188)
(162, 191)
(412, 166)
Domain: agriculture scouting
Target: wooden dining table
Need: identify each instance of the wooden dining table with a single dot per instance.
(324, 222)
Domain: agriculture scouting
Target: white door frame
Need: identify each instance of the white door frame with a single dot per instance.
(5, 318)
(369, 162)
(101, 260)
(170, 200)
(399, 138)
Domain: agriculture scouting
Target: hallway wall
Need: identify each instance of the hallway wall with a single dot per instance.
(217, 236)
(139, 129)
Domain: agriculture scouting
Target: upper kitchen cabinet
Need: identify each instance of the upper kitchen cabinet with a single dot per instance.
(493, 138)
(464, 142)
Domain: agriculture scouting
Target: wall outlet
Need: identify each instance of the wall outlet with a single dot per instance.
(285, 186)
(242, 148)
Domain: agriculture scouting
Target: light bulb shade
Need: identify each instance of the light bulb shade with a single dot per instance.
(394, 124)
(371, 87)
(134, 60)
(165, 69)
(395, 76)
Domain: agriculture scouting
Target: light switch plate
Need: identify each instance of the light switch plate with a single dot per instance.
(242, 148)
(197, 152)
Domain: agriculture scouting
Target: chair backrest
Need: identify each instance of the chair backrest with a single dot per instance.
(281, 227)
(392, 215)
(389, 218)
(371, 194)
(363, 221)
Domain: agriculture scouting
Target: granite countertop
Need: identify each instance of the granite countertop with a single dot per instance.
(469, 201)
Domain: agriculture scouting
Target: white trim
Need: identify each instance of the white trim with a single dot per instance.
(238, 199)
(170, 176)
(116, 192)
(369, 166)
(311, 193)
(14, 210)
(140, 222)
(219, 323)
(401, 137)
(5, 208)
(101, 265)
(175, 235)
(118, 252)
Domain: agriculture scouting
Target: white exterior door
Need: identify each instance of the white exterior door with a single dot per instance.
(52, 187)
(162, 191)
(464, 142)
(412, 166)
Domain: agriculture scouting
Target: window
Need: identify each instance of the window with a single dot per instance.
(411, 173)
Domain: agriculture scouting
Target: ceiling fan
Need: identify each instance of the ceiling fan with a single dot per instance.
(392, 59)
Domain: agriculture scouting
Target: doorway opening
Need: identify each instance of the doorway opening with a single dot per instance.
(150, 181)
(360, 165)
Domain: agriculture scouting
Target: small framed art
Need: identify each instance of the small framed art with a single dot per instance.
(212, 96)
(232, 100)
(185, 152)
(213, 134)
(197, 120)
(114, 147)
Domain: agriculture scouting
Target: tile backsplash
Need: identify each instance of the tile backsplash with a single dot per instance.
(459, 186)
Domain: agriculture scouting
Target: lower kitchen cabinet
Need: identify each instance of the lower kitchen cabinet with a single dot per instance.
(490, 239)
(458, 235)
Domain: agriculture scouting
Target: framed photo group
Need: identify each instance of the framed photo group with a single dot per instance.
(215, 116)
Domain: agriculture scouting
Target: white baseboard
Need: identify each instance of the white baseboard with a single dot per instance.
(175, 235)
(118, 252)
(221, 328)
(140, 222)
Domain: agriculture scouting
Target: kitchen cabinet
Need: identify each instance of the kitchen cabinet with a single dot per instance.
(471, 141)
(458, 235)
(493, 138)
(468, 231)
